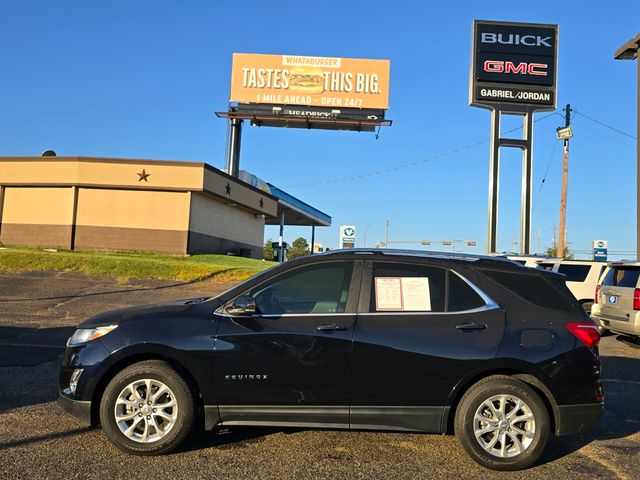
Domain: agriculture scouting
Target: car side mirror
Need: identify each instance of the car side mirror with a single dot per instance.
(243, 305)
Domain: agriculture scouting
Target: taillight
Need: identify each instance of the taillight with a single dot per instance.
(597, 294)
(586, 332)
(636, 299)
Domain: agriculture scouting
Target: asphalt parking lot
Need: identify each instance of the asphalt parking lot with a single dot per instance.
(38, 311)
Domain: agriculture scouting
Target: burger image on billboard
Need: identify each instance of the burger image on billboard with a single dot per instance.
(306, 80)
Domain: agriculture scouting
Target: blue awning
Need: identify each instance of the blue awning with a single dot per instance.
(296, 212)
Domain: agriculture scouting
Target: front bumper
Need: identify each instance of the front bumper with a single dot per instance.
(78, 408)
(577, 418)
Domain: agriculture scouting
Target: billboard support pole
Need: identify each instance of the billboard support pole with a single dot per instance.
(527, 175)
(233, 160)
(526, 145)
(494, 181)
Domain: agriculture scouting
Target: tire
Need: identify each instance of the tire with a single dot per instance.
(503, 393)
(157, 427)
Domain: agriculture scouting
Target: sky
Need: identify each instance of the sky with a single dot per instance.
(143, 79)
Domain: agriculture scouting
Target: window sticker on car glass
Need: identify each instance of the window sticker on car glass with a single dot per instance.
(408, 294)
(415, 294)
(388, 293)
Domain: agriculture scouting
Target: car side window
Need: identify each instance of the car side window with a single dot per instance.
(407, 288)
(461, 296)
(574, 273)
(313, 289)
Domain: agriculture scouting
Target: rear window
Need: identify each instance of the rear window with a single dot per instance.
(545, 266)
(622, 277)
(547, 293)
(574, 273)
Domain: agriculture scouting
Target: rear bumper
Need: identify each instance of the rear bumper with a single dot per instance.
(577, 418)
(621, 325)
(78, 408)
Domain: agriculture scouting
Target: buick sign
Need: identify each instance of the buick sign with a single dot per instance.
(514, 64)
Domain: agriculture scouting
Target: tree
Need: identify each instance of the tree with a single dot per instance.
(267, 250)
(553, 252)
(299, 247)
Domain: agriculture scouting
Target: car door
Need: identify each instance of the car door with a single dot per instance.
(420, 329)
(288, 364)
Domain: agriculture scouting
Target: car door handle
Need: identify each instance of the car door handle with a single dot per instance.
(467, 327)
(330, 328)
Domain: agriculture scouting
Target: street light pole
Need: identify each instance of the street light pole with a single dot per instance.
(631, 51)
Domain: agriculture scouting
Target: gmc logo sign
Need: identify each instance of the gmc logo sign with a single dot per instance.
(522, 68)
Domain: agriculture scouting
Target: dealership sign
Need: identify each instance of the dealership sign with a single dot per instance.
(310, 81)
(514, 63)
(600, 250)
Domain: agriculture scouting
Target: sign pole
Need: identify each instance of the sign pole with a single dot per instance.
(233, 161)
(494, 181)
(527, 176)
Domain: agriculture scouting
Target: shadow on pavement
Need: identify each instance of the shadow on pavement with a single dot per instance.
(43, 438)
(93, 294)
(29, 364)
(621, 418)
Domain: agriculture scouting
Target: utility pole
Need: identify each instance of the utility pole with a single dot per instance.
(563, 195)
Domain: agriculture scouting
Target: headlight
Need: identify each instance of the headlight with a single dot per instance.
(84, 335)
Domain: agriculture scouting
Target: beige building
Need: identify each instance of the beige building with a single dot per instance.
(132, 205)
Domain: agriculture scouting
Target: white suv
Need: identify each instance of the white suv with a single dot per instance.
(582, 277)
(617, 305)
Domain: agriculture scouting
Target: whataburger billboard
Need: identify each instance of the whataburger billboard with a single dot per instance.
(515, 64)
(310, 81)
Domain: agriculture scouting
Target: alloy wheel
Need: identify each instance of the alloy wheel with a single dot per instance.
(146, 410)
(504, 426)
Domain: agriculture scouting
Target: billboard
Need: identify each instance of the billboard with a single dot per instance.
(514, 63)
(310, 81)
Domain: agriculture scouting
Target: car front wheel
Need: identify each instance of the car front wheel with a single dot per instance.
(147, 409)
(502, 423)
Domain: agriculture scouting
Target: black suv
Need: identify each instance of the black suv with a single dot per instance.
(362, 339)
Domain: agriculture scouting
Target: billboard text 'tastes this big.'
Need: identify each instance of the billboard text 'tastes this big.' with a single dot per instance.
(310, 81)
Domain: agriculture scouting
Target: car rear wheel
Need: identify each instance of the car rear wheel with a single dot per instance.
(147, 409)
(502, 423)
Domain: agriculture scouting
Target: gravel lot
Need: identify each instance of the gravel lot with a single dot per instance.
(38, 311)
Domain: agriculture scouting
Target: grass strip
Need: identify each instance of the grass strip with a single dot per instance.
(129, 266)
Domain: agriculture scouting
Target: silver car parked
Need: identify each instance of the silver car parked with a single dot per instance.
(617, 306)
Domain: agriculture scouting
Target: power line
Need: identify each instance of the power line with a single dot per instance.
(604, 124)
(409, 164)
(544, 178)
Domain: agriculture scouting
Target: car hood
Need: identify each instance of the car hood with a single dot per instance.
(114, 317)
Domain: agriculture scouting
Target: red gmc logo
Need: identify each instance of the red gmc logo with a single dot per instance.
(522, 68)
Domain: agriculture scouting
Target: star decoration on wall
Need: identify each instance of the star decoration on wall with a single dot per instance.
(143, 175)
(261, 203)
(228, 188)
